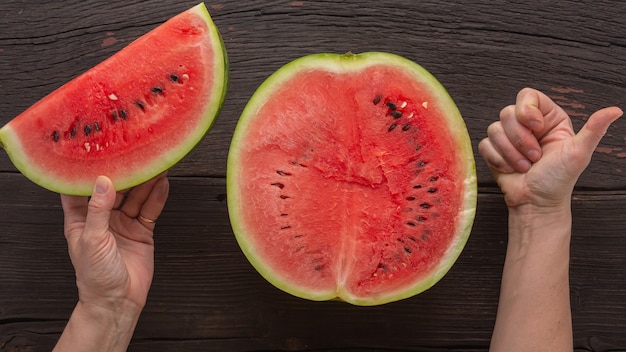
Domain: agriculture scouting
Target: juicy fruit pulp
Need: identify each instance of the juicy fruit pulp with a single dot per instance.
(132, 116)
(351, 177)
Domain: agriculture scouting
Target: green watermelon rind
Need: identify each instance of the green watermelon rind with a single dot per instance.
(12, 144)
(345, 63)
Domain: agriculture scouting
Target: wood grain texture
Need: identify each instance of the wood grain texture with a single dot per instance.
(205, 295)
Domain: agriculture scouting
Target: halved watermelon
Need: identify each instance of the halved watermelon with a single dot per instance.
(351, 177)
(132, 116)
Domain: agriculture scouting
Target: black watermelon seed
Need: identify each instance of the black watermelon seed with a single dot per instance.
(393, 125)
(114, 115)
(391, 105)
(73, 132)
(87, 130)
(408, 250)
(295, 162)
(283, 173)
(282, 196)
(421, 218)
(278, 184)
(284, 214)
(417, 186)
(96, 126)
(285, 227)
(377, 99)
(123, 114)
(411, 223)
(421, 164)
(140, 105)
(406, 127)
(434, 178)
(396, 114)
(432, 190)
(410, 198)
(157, 90)
(55, 136)
(425, 205)
(174, 77)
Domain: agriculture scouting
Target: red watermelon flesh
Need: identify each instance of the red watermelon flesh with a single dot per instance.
(351, 177)
(131, 117)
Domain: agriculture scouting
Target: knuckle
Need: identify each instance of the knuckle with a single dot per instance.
(494, 129)
(507, 113)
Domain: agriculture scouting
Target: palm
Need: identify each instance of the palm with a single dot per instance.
(112, 250)
(552, 177)
(130, 266)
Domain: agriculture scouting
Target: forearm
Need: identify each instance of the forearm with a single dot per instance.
(98, 329)
(534, 311)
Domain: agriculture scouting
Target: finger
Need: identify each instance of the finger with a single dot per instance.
(506, 149)
(99, 208)
(538, 112)
(120, 198)
(493, 158)
(137, 196)
(74, 208)
(521, 137)
(152, 207)
(74, 214)
(592, 132)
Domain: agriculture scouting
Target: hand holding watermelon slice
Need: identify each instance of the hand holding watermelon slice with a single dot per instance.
(130, 118)
(536, 158)
(110, 242)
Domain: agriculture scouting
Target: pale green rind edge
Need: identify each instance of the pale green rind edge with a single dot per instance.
(343, 63)
(14, 149)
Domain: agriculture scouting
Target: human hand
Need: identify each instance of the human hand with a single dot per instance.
(533, 152)
(110, 242)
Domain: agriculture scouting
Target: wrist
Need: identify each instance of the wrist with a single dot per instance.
(540, 232)
(532, 217)
(94, 327)
(120, 316)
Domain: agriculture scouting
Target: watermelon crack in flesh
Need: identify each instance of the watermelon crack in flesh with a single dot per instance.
(132, 116)
(351, 177)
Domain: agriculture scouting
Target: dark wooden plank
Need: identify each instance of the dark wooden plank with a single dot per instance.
(482, 51)
(206, 296)
(598, 279)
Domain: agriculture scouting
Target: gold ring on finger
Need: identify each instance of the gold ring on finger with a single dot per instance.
(145, 219)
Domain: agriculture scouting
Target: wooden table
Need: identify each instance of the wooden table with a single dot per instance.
(205, 295)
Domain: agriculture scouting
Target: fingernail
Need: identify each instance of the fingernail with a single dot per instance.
(523, 165)
(102, 186)
(533, 155)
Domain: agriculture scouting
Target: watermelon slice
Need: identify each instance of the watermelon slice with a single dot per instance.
(131, 117)
(351, 177)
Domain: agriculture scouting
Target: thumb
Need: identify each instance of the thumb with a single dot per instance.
(100, 206)
(592, 132)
